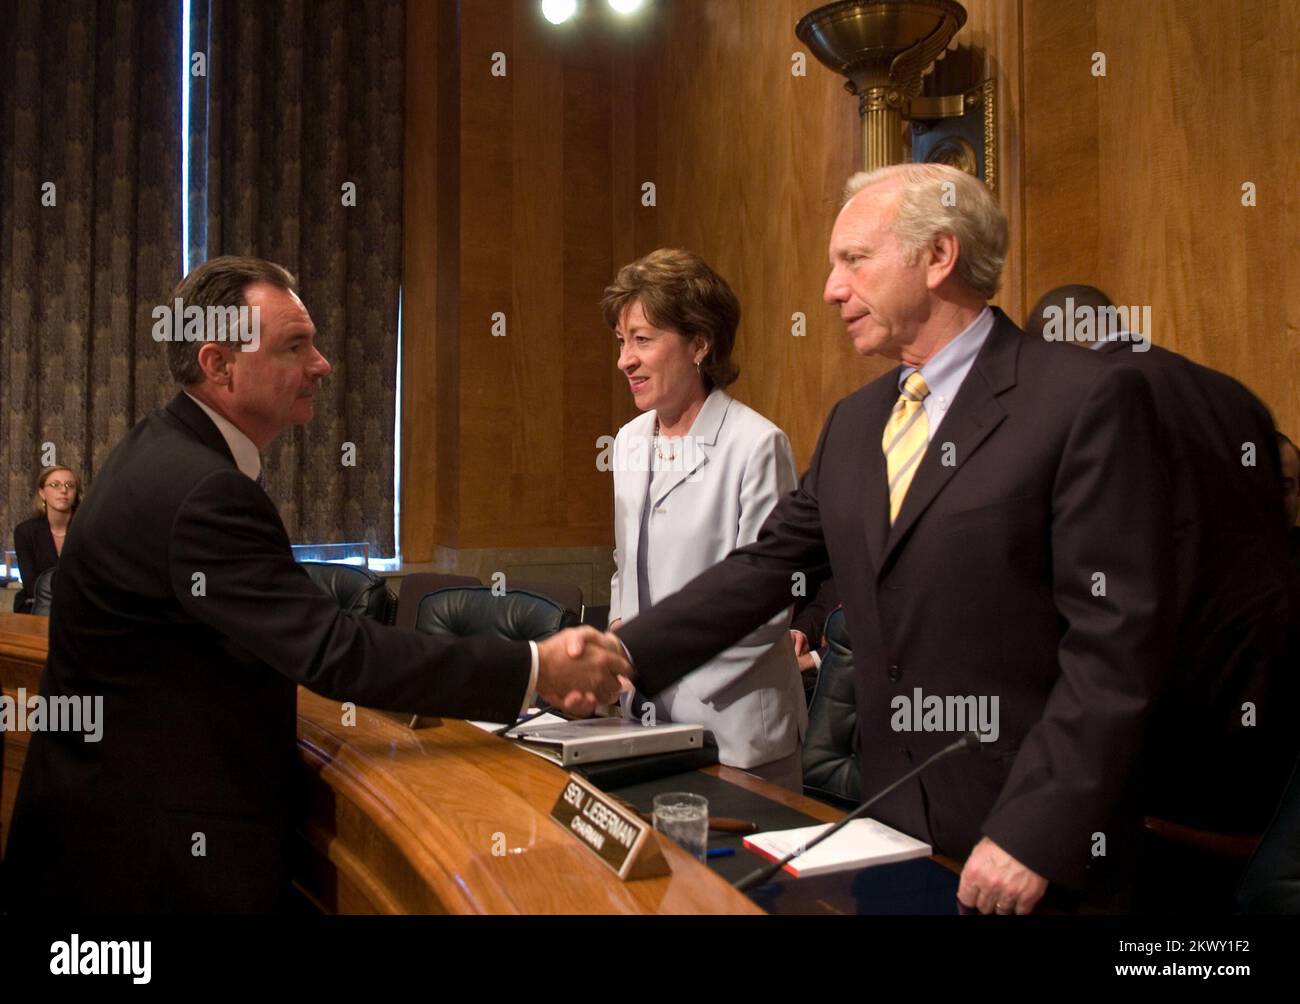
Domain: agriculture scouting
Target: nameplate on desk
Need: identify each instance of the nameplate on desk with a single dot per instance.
(625, 843)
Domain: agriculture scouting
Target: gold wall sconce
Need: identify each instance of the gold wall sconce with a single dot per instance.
(884, 48)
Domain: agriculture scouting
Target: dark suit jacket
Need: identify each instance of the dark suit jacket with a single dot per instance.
(36, 552)
(811, 613)
(1271, 883)
(179, 602)
(1203, 766)
(985, 586)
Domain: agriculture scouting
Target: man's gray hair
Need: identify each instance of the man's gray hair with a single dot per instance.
(937, 199)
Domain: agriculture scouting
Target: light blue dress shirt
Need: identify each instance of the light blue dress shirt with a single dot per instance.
(946, 371)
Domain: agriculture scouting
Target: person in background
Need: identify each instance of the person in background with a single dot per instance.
(1220, 743)
(39, 540)
(695, 476)
(1221, 473)
(808, 632)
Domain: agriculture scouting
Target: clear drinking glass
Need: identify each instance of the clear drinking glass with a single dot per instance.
(684, 818)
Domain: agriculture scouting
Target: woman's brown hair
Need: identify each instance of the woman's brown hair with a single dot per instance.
(679, 292)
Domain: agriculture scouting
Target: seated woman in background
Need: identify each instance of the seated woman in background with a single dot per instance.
(695, 476)
(39, 540)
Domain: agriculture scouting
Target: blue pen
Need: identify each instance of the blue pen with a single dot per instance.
(721, 852)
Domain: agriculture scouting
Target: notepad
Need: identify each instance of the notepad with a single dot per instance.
(861, 844)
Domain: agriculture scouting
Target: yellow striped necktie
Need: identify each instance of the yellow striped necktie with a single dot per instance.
(907, 433)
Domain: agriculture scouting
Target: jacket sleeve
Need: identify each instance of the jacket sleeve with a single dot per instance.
(769, 475)
(747, 588)
(231, 569)
(1111, 561)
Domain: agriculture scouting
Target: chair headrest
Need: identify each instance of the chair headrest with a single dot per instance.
(43, 592)
(516, 614)
(357, 590)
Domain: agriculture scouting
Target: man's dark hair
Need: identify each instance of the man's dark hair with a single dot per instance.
(218, 282)
(1083, 296)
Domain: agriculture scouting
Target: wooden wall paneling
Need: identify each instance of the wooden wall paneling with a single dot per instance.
(1273, 81)
(448, 457)
(752, 160)
(588, 372)
(1133, 180)
(989, 47)
(537, 205)
(1196, 105)
(1061, 180)
(429, 452)
(492, 408)
(635, 144)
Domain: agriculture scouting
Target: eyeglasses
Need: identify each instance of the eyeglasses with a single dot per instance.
(56, 485)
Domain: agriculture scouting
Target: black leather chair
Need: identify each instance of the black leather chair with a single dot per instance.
(517, 615)
(357, 590)
(563, 593)
(1272, 880)
(830, 750)
(43, 592)
(418, 585)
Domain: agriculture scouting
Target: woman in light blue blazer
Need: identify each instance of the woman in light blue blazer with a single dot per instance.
(695, 476)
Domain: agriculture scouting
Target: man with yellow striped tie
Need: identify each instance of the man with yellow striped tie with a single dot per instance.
(991, 515)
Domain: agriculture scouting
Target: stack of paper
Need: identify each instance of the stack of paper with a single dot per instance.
(861, 843)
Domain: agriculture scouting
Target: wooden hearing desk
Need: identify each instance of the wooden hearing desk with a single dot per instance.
(444, 819)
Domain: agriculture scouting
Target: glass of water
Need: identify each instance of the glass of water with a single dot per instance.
(684, 818)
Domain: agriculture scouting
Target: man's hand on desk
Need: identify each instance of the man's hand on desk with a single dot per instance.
(580, 669)
(994, 882)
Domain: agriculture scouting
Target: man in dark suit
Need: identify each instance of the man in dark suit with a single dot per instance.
(1222, 740)
(995, 530)
(178, 601)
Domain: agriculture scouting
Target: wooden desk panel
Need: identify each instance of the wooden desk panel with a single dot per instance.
(448, 818)
(23, 643)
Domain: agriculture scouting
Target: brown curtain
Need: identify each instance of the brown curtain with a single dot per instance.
(91, 101)
(302, 112)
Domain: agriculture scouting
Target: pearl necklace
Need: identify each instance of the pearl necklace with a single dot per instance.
(658, 453)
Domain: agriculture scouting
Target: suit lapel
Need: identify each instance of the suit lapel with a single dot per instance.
(702, 438)
(973, 417)
(191, 416)
(873, 502)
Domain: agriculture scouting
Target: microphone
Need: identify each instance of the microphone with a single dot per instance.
(969, 741)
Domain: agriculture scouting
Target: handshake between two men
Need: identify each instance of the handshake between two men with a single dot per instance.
(580, 669)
